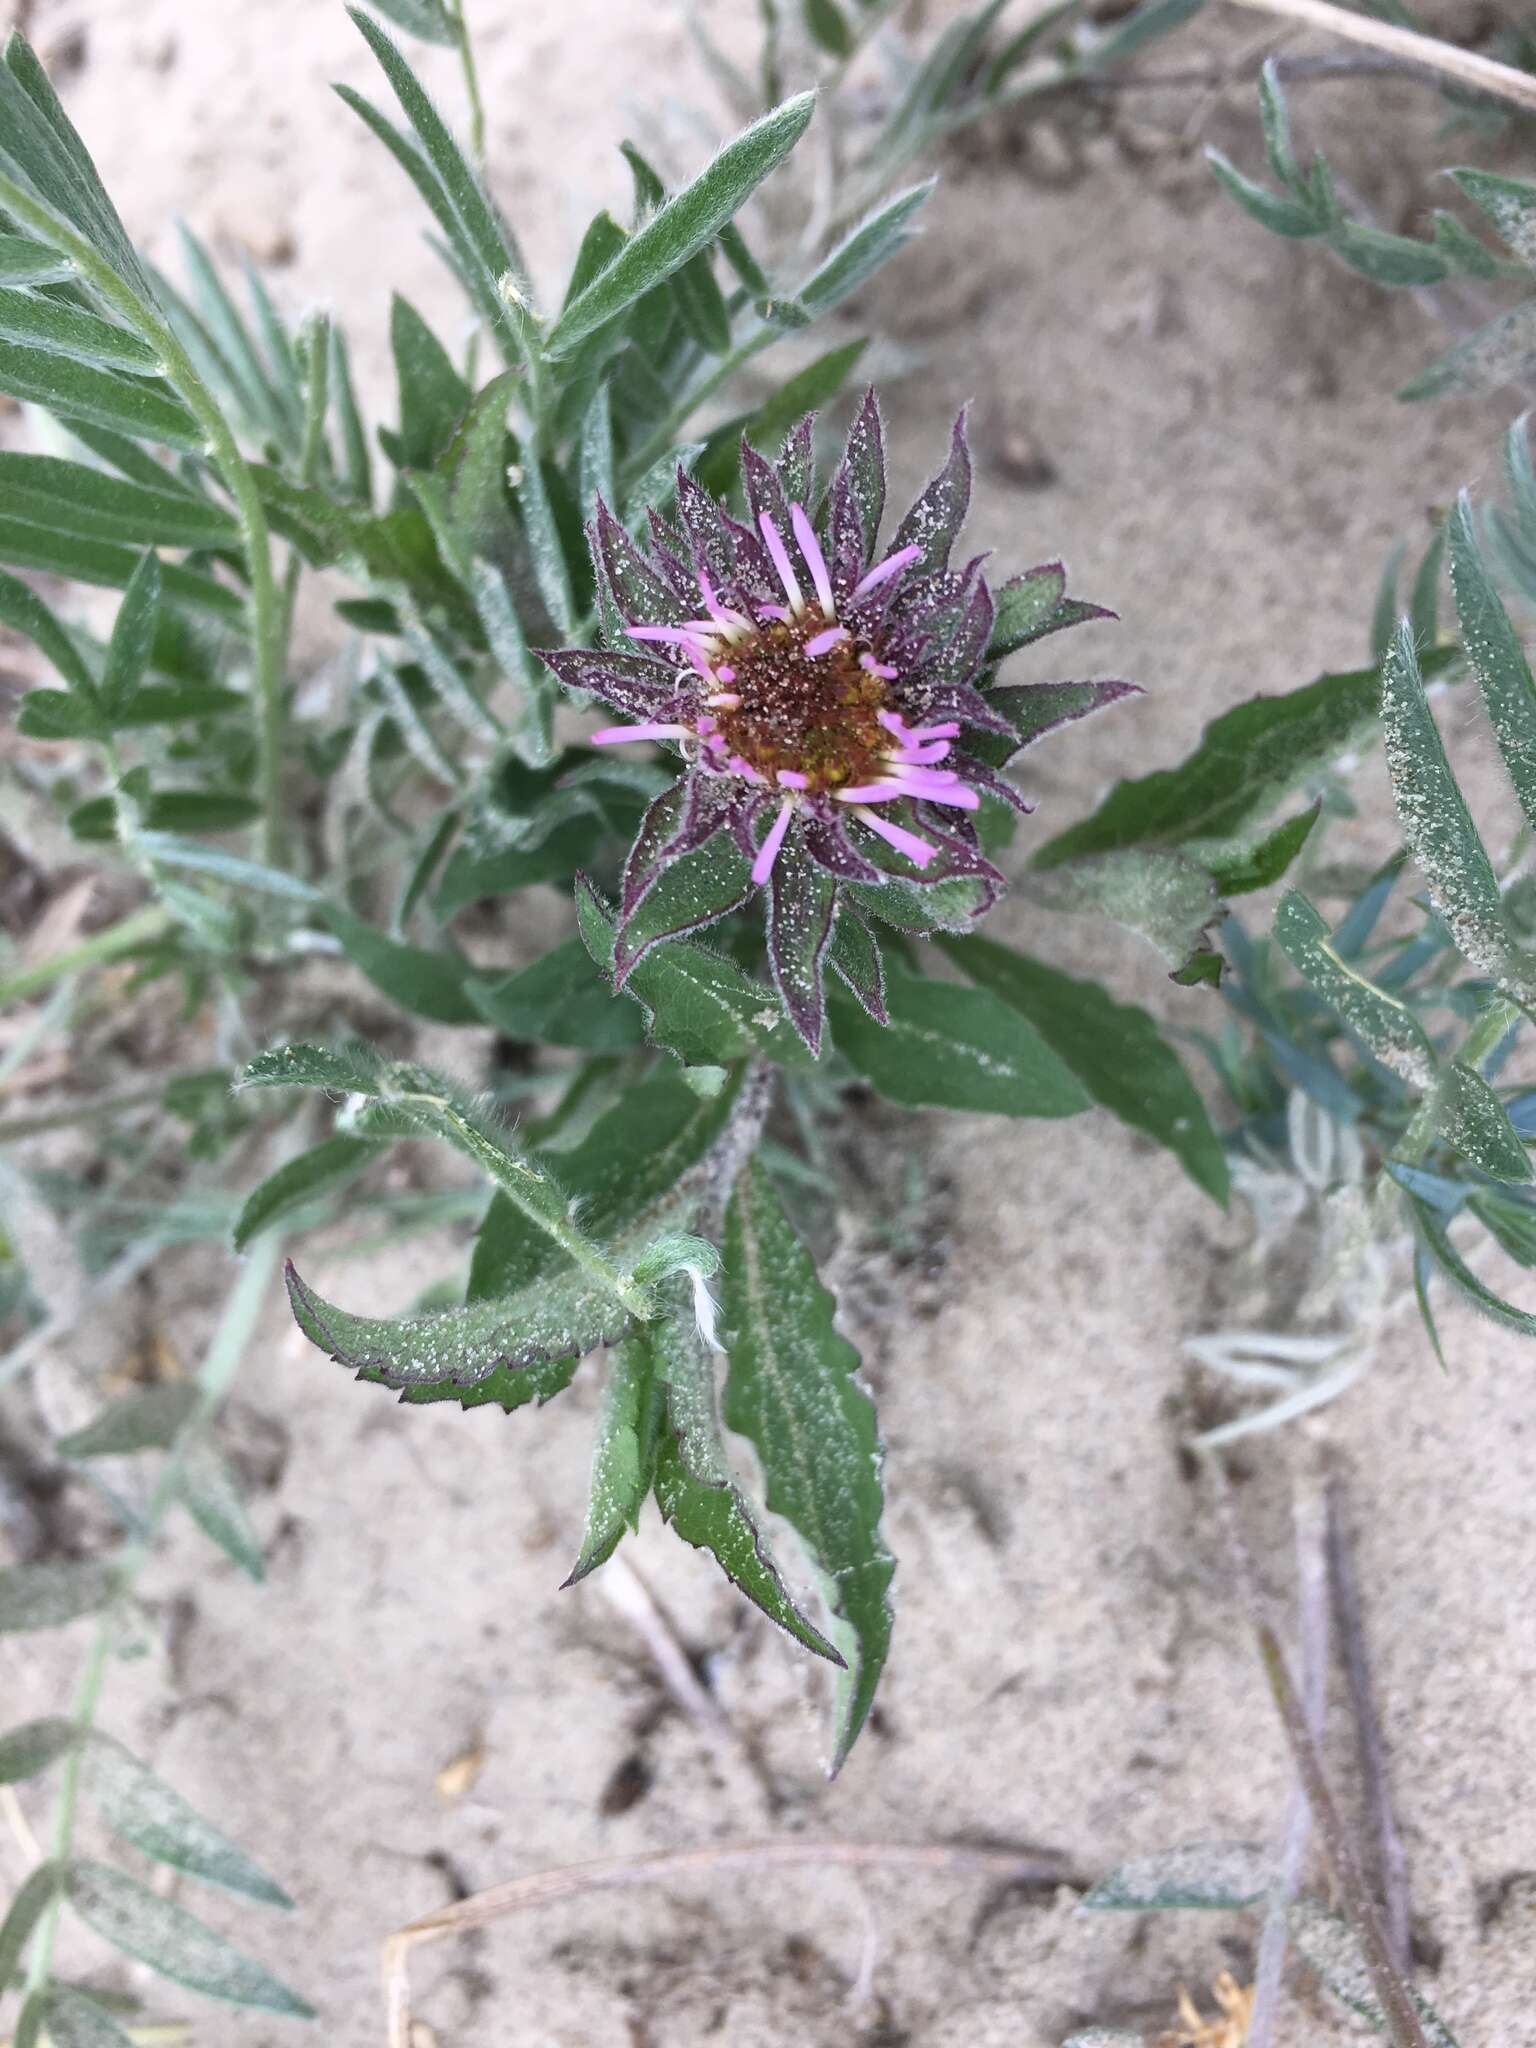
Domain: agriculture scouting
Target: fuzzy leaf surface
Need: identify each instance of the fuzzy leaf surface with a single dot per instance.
(792, 1390)
(145, 1811)
(173, 1941)
(1387, 1027)
(698, 1494)
(1115, 1050)
(1216, 1876)
(950, 1047)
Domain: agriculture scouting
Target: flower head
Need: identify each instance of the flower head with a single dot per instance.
(820, 689)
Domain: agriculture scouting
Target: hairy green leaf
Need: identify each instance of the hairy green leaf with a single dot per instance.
(25, 612)
(132, 642)
(211, 1496)
(952, 1047)
(75, 2020)
(623, 1451)
(1332, 1948)
(698, 1004)
(1248, 761)
(425, 18)
(686, 223)
(559, 1000)
(143, 409)
(427, 983)
(792, 1390)
(1166, 896)
(1497, 658)
(74, 498)
(697, 1493)
(1470, 1116)
(34, 1746)
(299, 1181)
(1115, 1050)
(32, 1900)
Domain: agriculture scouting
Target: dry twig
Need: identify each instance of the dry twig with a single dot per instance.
(1483, 74)
(544, 1887)
(1389, 1859)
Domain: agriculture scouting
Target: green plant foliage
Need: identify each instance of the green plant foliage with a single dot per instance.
(792, 1390)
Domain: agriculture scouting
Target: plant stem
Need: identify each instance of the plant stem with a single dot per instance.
(264, 604)
(108, 944)
(1483, 74)
(471, 85)
(242, 1308)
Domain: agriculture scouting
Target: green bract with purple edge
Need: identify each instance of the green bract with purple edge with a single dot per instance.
(822, 695)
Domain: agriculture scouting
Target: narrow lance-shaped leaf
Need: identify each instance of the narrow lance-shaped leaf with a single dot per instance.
(46, 1595)
(1437, 823)
(32, 1900)
(686, 223)
(173, 1941)
(1470, 1116)
(75, 2020)
(74, 498)
(1387, 1027)
(792, 1390)
(623, 1451)
(133, 639)
(318, 1171)
(1497, 658)
(147, 1420)
(145, 1811)
(697, 1493)
(212, 1498)
(1218, 1876)
(25, 612)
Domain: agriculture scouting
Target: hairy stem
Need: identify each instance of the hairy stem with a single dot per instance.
(1483, 74)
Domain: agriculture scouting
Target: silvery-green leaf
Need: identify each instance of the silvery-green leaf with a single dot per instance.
(140, 407)
(46, 1595)
(1332, 1948)
(25, 612)
(1385, 1026)
(1501, 352)
(1212, 1875)
(1497, 657)
(75, 2020)
(75, 498)
(212, 1498)
(157, 1820)
(1167, 897)
(1470, 1116)
(31, 1748)
(1510, 203)
(866, 249)
(425, 18)
(133, 639)
(686, 223)
(171, 1940)
(147, 1420)
(1437, 823)
(792, 1390)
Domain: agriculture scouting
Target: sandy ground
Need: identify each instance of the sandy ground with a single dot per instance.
(1071, 1667)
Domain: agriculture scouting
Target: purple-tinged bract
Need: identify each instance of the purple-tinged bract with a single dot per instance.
(820, 689)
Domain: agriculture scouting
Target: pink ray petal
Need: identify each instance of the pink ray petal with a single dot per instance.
(949, 730)
(927, 778)
(616, 735)
(773, 611)
(823, 643)
(920, 757)
(815, 560)
(884, 571)
(959, 798)
(917, 850)
(674, 636)
(873, 793)
(779, 554)
(791, 778)
(739, 766)
(878, 668)
(768, 852)
(725, 675)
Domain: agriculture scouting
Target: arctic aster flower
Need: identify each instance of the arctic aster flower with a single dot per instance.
(819, 689)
